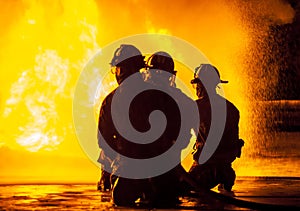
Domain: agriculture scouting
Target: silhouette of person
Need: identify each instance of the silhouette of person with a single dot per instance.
(127, 60)
(160, 73)
(126, 63)
(217, 169)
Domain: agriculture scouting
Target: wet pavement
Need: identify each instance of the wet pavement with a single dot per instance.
(249, 193)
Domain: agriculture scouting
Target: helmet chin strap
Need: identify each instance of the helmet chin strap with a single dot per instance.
(172, 80)
(201, 92)
(123, 74)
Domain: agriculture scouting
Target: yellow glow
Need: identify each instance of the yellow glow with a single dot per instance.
(45, 45)
(45, 50)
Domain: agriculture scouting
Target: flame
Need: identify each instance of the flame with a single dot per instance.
(47, 48)
(45, 45)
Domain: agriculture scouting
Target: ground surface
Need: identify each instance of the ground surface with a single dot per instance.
(249, 193)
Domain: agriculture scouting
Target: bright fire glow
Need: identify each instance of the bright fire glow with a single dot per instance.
(45, 45)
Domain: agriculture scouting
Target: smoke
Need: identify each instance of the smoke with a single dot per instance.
(265, 12)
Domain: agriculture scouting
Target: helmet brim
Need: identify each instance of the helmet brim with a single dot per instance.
(197, 80)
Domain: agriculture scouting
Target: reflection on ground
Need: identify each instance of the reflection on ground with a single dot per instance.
(84, 197)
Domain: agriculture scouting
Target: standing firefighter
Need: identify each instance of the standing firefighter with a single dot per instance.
(217, 169)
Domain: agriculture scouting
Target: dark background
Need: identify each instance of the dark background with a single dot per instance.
(287, 44)
(283, 54)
